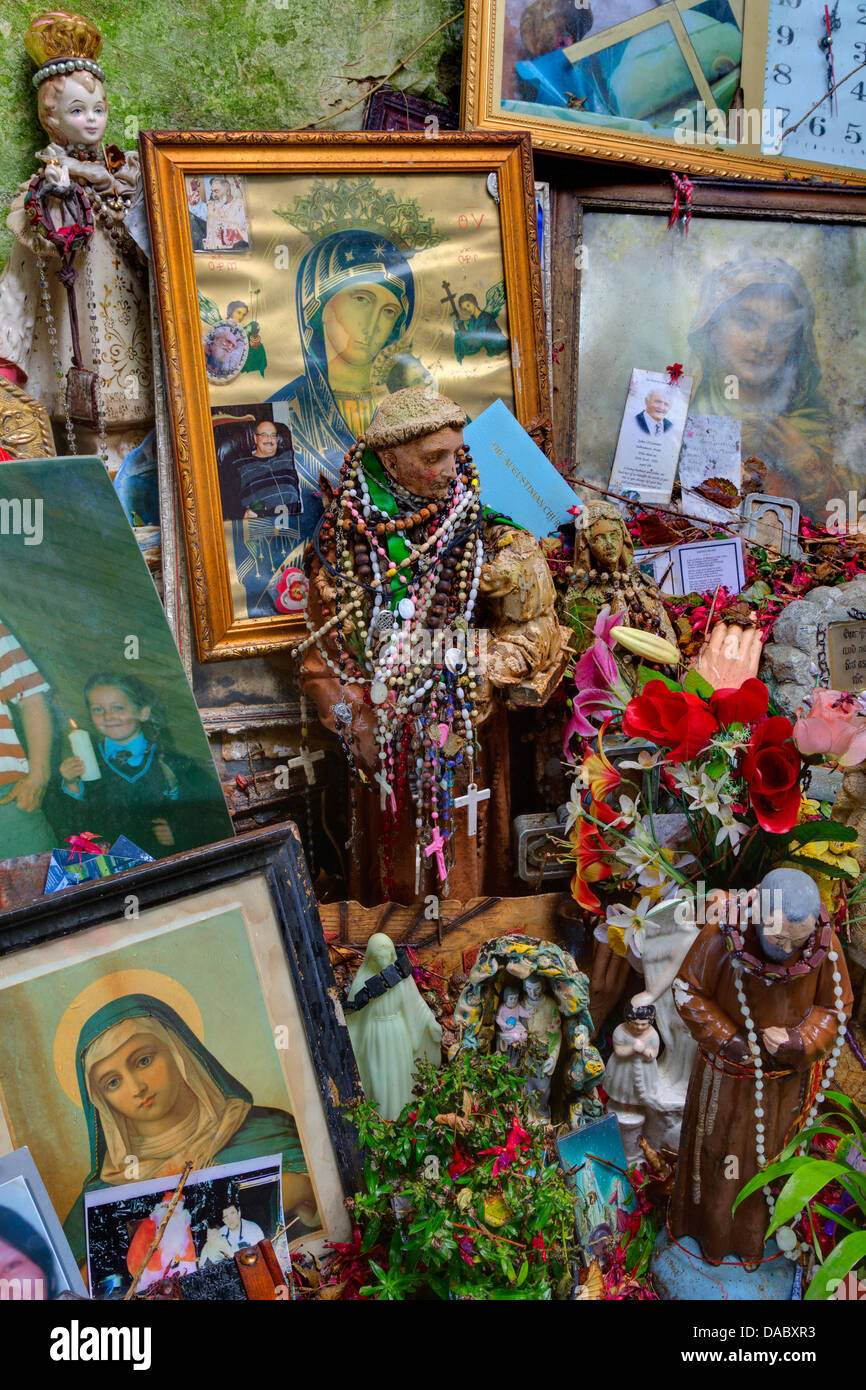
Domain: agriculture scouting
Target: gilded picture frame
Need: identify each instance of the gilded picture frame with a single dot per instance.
(487, 78)
(442, 222)
(212, 967)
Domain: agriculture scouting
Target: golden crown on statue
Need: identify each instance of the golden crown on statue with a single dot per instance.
(60, 43)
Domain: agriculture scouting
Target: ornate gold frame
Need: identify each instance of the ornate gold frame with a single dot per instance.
(167, 157)
(25, 428)
(480, 100)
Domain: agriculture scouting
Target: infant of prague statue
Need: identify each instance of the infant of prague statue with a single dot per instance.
(429, 615)
(74, 324)
(391, 1027)
(510, 1029)
(765, 993)
(605, 574)
(631, 1075)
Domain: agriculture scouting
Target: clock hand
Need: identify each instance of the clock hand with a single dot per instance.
(833, 22)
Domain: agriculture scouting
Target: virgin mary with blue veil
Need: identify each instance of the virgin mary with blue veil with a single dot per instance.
(152, 1092)
(355, 296)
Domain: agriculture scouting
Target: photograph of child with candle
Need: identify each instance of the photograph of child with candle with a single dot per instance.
(134, 782)
(99, 730)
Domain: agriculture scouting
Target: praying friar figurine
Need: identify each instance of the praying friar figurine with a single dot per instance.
(765, 993)
(429, 616)
(605, 574)
(74, 318)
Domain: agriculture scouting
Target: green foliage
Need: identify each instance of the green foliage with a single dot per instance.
(807, 1175)
(470, 1235)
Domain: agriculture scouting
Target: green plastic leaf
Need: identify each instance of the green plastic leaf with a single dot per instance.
(644, 674)
(769, 1174)
(846, 1256)
(696, 685)
(805, 861)
(806, 1183)
(824, 831)
(522, 1273)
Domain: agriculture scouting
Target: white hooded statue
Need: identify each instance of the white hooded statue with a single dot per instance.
(390, 1034)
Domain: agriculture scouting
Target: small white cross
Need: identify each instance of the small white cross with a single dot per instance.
(305, 759)
(471, 800)
(386, 791)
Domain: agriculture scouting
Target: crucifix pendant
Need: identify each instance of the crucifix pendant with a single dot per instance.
(470, 801)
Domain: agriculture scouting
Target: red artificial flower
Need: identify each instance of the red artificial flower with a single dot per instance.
(591, 855)
(674, 719)
(537, 1244)
(460, 1162)
(748, 705)
(771, 770)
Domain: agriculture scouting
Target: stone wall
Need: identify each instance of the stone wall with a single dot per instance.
(230, 65)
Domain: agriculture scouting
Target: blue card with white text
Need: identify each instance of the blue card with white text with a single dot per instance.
(516, 478)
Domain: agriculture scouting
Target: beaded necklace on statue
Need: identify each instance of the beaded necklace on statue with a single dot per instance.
(811, 955)
(406, 572)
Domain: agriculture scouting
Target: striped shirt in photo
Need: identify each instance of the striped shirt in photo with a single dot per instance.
(18, 678)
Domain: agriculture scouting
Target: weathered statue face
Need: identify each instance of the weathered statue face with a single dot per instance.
(780, 938)
(533, 990)
(427, 466)
(605, 541)
(510, 995)
(80, 116)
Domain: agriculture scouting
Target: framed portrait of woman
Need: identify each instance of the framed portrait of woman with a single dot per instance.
(180, 1013)
(760, 302)
(748, 89)
(369, 262)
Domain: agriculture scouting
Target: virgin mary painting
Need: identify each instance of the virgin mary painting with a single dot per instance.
(153, 1093)
(753, 334)
(355, 296)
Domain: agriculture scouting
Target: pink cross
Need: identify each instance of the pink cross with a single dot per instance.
(436, 846)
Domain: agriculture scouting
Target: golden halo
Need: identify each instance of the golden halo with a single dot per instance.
(105, 991)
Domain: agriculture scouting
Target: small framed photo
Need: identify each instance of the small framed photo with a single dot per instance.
(36, 1262)
(217, 1212)
(218, 218)
(184, 1015)
(772, 522)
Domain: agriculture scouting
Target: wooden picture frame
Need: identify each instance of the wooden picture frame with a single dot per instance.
(26, 1212)
(390, 108)
(491, 174)
(216, 958)
(794, 231)
(625, 141)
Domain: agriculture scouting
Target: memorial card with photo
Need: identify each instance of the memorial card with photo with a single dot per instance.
(269, 507)
(650, 435)
(99, 730)
(220, 1211)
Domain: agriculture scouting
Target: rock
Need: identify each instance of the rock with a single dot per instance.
(790, 662)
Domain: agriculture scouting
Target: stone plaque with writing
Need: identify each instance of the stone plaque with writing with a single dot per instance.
(846, 653)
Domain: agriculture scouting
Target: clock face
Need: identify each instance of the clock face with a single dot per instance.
(800, 69)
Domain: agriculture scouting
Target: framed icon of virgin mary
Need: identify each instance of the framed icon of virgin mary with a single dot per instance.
(180, 1013)
(368, 262)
